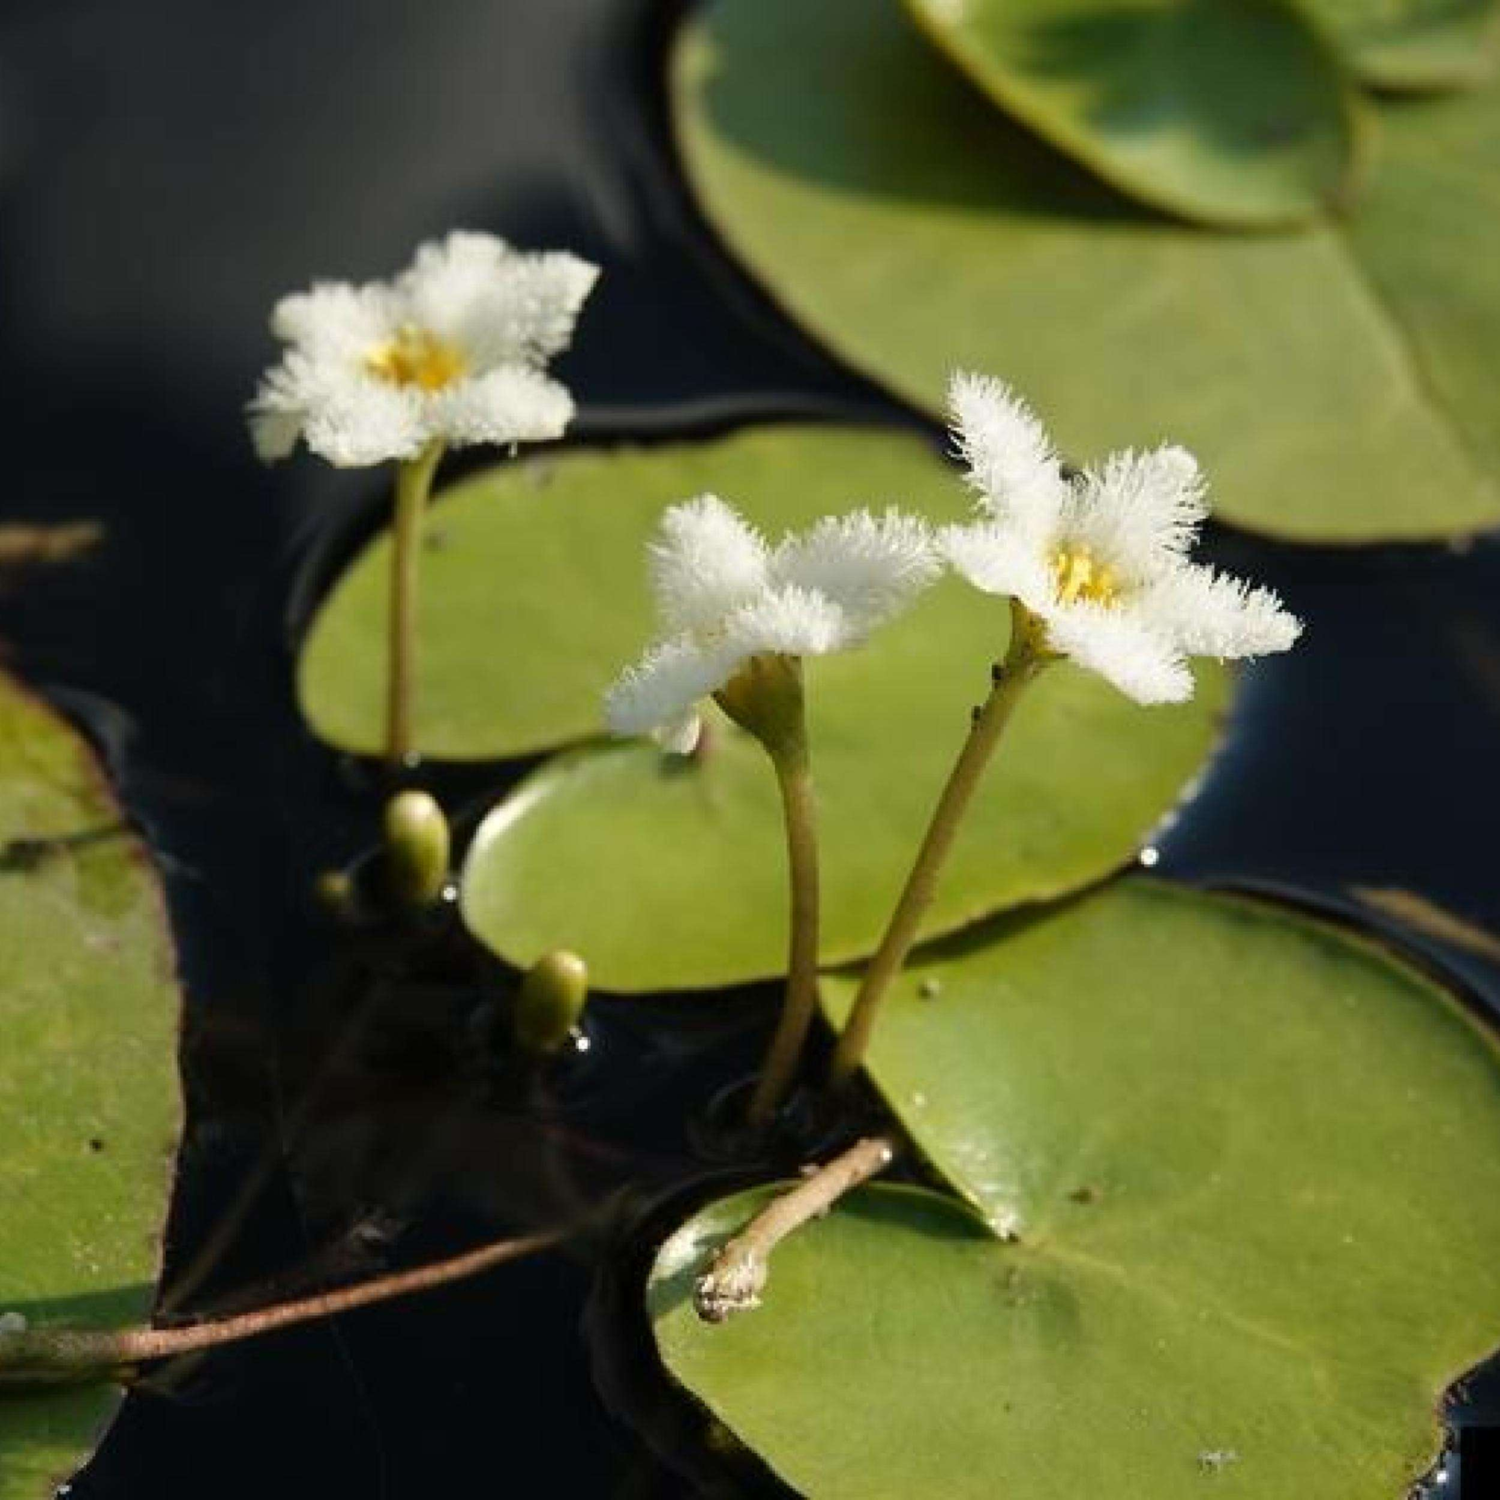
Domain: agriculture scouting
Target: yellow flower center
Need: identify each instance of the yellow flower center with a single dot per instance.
(416, 357)
(1082, 579)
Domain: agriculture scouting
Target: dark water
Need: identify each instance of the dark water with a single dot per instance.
(167, 167)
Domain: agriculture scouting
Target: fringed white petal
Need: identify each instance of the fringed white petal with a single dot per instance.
(500, 306)
(997, 559)
(872, 567)
(659, 695)
(337, 322)
(1121, 646)
(1212, 614)
(1012, 463)
(484, 316)
(789, 621)
(350, 420)
(511, 404)
(1140, 510)
(707, 560)
(365, 423)
(1121, 535)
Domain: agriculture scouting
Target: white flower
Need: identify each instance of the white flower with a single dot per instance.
(1101, 559)
(724, 596)
(454, 349)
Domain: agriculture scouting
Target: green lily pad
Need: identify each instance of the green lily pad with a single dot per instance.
(670, 874)
(1413, 45)
(88, 1074)
(1339, 383)
(1252, 1168)
(1232, 112)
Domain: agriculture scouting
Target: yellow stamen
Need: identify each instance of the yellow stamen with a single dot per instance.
(1083, 579)
(416, 357)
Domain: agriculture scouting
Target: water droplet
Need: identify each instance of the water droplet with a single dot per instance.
(1150, 857)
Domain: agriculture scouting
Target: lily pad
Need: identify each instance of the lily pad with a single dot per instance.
(1232, 112)
(88, 1074)
(1338, 383)
(1413, 45)
(670, 874)
(1251, 1167)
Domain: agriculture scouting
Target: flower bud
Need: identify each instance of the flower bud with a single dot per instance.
(416, 849)
(550, 1001)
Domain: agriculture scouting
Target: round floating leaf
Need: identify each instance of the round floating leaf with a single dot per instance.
(1339, 383)
(88, 1074)
(1413, 44)
(1233, 112)
(670, 873)
(1252, 1168)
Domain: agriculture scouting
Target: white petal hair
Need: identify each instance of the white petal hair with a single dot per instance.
(1129, 524)
(869, 565)
(1012, 465)
(502, 305)
(495, 314)
(723, 595)
(705, 561)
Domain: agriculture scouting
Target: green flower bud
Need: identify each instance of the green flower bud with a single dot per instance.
(550, 1001)
(416, 849)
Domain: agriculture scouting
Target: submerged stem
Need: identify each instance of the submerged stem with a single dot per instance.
(734, 1281)
(799, 809)
(413, 484)
(65, 1356)
(1022, 663)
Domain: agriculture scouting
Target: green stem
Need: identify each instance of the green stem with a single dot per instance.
(799, 810)
(1022, 663)
(413, 484)
(42, 1357)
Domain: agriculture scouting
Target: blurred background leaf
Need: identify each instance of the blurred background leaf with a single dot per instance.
(88, 1074)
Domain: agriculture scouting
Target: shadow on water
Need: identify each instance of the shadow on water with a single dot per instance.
(166, 169)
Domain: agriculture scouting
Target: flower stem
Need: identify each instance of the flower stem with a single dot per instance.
(799, 810)
(41, 1357)
(1022, 663)
(413, 484)
(734, 1281)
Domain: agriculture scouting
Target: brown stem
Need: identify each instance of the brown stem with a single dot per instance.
(64, 1356)
(734, 1281)
(799, 809)
(413, 482)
